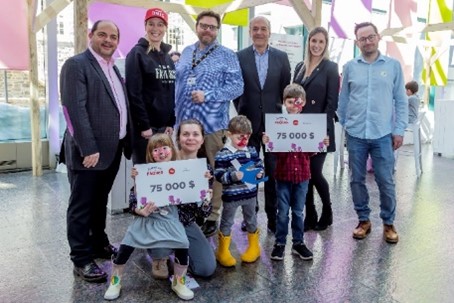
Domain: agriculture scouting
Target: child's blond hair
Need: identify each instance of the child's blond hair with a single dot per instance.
(160, 140)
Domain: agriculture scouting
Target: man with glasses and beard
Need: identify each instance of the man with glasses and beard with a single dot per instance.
(373, 109)
(208, 77)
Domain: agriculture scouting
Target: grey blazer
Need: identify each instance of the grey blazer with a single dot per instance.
(255, 101)
(92, 116)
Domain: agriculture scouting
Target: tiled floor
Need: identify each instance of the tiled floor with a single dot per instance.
(35, 266)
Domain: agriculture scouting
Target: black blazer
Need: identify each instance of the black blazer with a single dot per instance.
(322, 92)
(92, 115)
(255, 101)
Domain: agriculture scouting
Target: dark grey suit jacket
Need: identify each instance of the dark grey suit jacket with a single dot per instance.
(322, 92)
(255, 101)
(92, 116)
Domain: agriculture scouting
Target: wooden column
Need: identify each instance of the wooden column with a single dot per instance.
(80, 25)
(37, 169)
(317, 12)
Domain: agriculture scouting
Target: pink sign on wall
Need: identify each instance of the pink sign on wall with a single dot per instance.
(130, 21)
(14, 46)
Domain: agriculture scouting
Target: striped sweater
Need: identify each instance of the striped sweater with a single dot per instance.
(232, 188)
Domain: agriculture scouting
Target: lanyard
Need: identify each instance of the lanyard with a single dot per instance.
(195, 63)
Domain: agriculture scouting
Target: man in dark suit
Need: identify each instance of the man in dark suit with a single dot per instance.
(96, 112)
(266, 72)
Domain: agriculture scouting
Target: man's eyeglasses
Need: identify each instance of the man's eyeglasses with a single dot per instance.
(208, 26)
(370, 38)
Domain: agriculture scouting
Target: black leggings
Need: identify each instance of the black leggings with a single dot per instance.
(318, 181)
(125, 251)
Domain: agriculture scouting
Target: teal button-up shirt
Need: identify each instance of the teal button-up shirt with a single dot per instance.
(372, 101)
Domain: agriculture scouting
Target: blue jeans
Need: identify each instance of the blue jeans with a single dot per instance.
(382, 154)
(294, 196)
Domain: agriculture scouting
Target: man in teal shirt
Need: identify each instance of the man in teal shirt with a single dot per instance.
(373, 109)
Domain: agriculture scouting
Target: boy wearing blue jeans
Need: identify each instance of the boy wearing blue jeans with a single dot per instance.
(292, 176)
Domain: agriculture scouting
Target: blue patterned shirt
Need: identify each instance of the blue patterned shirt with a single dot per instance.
(372, 101)
(218, 76)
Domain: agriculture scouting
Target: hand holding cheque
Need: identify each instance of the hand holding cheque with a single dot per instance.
(295, 133)
(171, 183)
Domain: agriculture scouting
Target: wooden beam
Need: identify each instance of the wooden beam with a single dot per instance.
(438, 27)
(317, 12)
(190, 21)
(418, 28)
(80, 25)
(50, 13)
(191, 10)
(239, 4)
(167, 6)
(37, 169)
(304, 13)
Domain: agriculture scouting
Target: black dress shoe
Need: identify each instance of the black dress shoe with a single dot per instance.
(209, 228)
(91, 272)
(106, 252)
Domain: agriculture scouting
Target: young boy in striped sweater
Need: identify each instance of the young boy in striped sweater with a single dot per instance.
(235, 192)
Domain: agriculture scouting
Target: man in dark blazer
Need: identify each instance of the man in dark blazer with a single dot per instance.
(266, 72)
(97, 117)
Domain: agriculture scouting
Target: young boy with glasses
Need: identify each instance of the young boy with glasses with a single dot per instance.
(292, 176)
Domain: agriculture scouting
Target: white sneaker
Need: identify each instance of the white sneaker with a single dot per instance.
(113, 292)
(179, 287)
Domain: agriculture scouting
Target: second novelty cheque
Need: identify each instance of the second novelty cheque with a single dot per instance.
(295, 132)
(171, 183)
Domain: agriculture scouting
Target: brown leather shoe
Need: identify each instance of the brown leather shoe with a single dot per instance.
(390, 234)
(362, 230)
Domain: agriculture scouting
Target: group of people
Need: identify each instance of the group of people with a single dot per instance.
(192, 93)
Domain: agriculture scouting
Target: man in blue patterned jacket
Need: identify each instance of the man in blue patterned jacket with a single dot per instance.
(208, 77)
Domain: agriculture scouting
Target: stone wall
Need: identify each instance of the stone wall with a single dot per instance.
(18, 88)
(18, 81)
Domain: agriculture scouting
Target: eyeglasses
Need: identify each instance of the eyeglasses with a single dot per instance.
(208, 26)
(370, 38)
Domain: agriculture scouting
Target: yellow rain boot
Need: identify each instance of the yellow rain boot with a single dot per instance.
(223, 254)
(252, 253)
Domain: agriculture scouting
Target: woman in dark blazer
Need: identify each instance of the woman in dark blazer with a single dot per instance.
(320, 78)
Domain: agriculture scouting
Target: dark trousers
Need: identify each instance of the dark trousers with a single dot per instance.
(86, 215)
(319, 182)
(270, 186)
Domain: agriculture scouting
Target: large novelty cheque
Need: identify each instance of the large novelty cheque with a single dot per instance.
(171, 183)
(295, 132)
